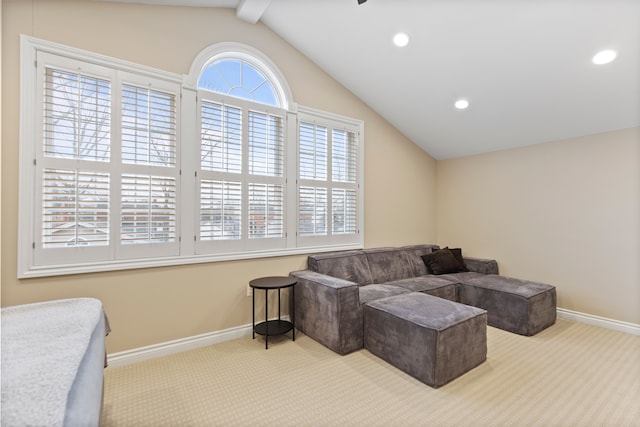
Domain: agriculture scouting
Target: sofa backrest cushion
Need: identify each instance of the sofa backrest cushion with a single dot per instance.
(388, 264)
(347, 265)
(414, 255)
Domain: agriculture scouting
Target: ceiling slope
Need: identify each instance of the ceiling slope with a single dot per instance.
(524, 66)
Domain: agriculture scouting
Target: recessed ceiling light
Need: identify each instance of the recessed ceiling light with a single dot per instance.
(461, 104)
(604, 56)
(401, 39)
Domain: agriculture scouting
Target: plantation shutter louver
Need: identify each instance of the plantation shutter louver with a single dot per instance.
(328, 188)
(312, 211)
(148, 212)
(221, 156)
(77, 116)
(75, 193)
(148, 127)
(75, 208)
(266, 171)
(220, 210)
(221, 138)
(344, 174)
(241, 180)
(149, 178)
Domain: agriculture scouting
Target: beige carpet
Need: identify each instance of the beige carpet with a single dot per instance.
(568, 375)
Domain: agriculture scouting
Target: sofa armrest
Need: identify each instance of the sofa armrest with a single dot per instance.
(481, 265)
(328, 310)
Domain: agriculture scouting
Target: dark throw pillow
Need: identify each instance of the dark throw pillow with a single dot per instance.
(457, 252)
(444, 261)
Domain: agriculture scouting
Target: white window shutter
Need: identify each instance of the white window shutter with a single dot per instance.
(77, 116)
(148, 127)
(75, 208)
(148, 209)
(329, 209)
(220, 210)
(221, 138)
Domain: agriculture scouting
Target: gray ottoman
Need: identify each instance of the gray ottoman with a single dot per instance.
(515, 305)
(430, 338)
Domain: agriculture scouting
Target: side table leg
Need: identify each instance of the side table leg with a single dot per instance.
(253, 313)
(293, 311)
(266, 318)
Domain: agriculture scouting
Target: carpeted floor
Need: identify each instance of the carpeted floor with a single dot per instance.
(568, 375)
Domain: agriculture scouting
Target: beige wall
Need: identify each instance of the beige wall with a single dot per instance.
(566, 213)
(161, 304)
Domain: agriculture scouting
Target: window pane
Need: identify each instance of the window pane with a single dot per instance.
(313, 152)
(77, 111)
(312, 211)
(220, 210)
(266, 144)
(148, 211)
(344, 211)
(266, 211)
(221, 138)
(343, 156)
(238, 78)
(148, 127)
(75, 208)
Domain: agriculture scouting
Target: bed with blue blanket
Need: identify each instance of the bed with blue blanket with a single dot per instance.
(53, 357)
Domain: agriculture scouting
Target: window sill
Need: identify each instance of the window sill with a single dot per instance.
(97, 267)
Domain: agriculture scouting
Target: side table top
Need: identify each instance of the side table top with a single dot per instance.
(273, 282)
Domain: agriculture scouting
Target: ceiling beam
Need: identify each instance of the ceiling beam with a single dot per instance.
(251, 10)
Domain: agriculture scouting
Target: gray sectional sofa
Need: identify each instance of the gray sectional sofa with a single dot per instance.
(332, 293)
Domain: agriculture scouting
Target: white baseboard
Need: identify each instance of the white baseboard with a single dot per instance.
(176, 346)
(166, 348)
(170, 347)
(603, 322)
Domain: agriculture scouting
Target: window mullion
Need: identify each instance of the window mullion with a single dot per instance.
(291, 179)
(116, 167)
(245, 179)
(191, 172)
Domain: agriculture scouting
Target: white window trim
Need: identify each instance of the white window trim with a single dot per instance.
(188, 132)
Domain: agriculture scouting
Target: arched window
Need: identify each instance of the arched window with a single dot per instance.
(241, 180)
(238, 78)
(240, 71)
(124, 166)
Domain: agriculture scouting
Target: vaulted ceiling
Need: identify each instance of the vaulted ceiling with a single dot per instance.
(524, 66)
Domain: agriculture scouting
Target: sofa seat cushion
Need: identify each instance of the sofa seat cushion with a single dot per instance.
(373, 292)
(515, 305)
(429, 284)
(461, 277)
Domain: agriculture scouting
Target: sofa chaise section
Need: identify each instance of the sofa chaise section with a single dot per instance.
(519, 306)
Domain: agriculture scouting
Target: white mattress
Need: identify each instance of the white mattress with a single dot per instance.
(52, 363)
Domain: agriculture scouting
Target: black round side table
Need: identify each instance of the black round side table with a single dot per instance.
(273, 327)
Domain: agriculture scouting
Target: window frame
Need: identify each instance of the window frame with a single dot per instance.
(187, 154)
